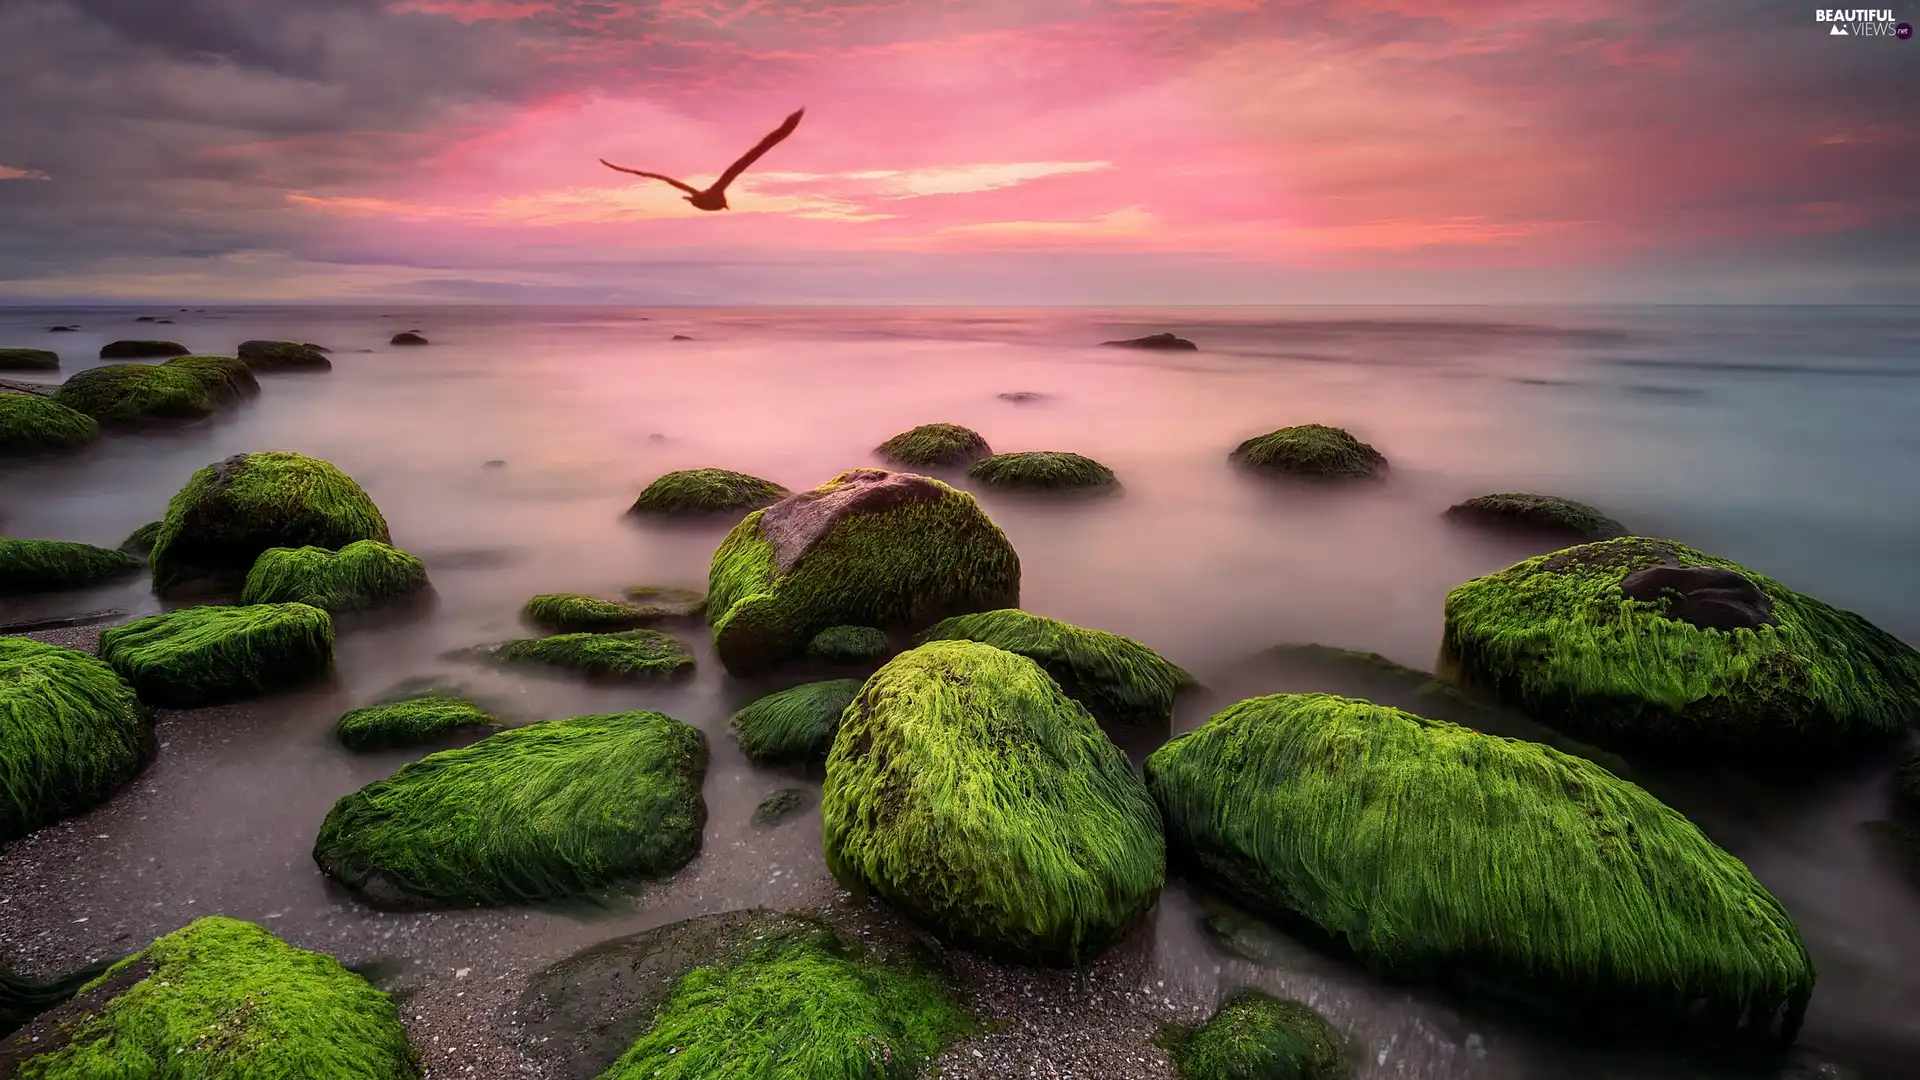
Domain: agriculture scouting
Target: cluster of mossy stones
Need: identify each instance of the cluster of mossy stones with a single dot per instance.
(971, 783)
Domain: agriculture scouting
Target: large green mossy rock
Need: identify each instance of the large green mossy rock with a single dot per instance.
(218, 999)
(577, 613)
(29, 360)
(893, 551)
(50, 565)
(1429, 850)
(228, 379)
(267, 356)
(130, 393)
(1548, 516)
(30, 424)
(795, 724)
(554, 810)
(1258, 1037)
(230, 512)
(213, 654)
(1118, 679)
(967, 791)
(1310, 451)
(1044, 470)
(706, 491)
(739, 994)
(1652, 644)
(71, 732)
(411, 722)
(624, 654)
(931, 445)
(364, 574)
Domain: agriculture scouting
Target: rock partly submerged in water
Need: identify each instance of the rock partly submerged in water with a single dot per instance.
(264, 356)
(931, 445)
(29, 360)
(1255, 1036)
(1118, 679)
(141, 350)
(706, 491)
(1546, 516)
(780, 805)
(577, 613)
(1514, 869)
(29, 566)
(138, 393)
(546, 812)
(139, 542)
(971, 794)
(1161, 340)
(407, 337)
(849, 645)
(625, 654)
(796, 724)
(214, 654)
(669, 601)
(364, 574)
(218, 998)
(1310, 451)
(1044, 470)
(227, 379)
(411, 722)
(893, 551)
(230, 512)
(31, 424)
(1650, 643)
(71, 732)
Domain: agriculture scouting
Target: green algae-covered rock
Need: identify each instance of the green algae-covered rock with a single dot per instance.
(780, 805)
(410, 722)
(848, 644)
(633, 654)
(669, 602)
(1118, 679)
(230, 512)
(739, 994)
(141, 350)
(29, 360)
(549, 811)
(1429, 849)
(364, 574)
(228, 379)
(1537, 515)
(796, 724)
(1651, 643)
(71, 732)
(49, 565)
(706, 491)
(1257, 1037)
(208, 655)
(868, 548)
(578, 613)
(140, 541)
(30, 424)
(967, 791)
(1044, 470)
(1313, 451)
(283, 356)
(219, 999)
(129, 393)
(934, 444)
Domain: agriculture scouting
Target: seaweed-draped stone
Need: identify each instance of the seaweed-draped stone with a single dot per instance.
(1118, 679)
(1310, 451)
(1044, 470)
(1651, 643)
(574, 613)
(71, 732)
(967, 791)
(1428, 849)
(364, 574)
(849, 644)
(227, 379)
(263, 356)
(31, 424)
(889, 550)
(218, 998)
(215, 653)
(795, 724)
(230, 512)
(1548, 516)
(410, 722)
(689, 492)
(51, 565)
(932, 445)
(1255, 1036)
(628, 654)
(133, 393)
(550, 811)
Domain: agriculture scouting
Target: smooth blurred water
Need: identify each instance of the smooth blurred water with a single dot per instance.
(1783, 438)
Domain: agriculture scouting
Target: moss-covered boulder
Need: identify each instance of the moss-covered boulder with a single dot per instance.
(1430, 850)
(1118, 679)
(933, 445)
(49, 565)
(739, 994)
(1255, 1036)
(228, 379)
(1546, 516)
(565, 808)
(208, 655)
(218, 999)
(1653, 644)
(626, 654)
(30, 424)
(283, 356)
(411, 722)
(796, 724)
(1044, 470)
(231, 511)
(141, 350)
(848, 644)
(1310, 451)
(868, 548)
(139, 542)
(29, 360)
(71, 732)
(364, 574)
(580, 613)
(706, 491)
(131, 393)
(967, 791)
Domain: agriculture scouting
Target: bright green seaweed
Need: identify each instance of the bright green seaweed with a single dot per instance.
(31, 424)
(1116, 678)
(796, 724)
(640, 654)
(128, 393)
(934, 444)
(848, 644)
(706, 491)
(364, 574)
(212, 654)
(231, 511)
(227, 379)
(71, 732)
(1044, 470)
(409, 722)
(580, 613)
(1258, 1037)
(51, 565)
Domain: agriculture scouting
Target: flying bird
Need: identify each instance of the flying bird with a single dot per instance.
(715, 197)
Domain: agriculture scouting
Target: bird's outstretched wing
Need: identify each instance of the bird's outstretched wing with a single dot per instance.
(753, 155)
(689, 189)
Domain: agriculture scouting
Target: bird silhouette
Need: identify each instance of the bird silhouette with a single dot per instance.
(715, 197)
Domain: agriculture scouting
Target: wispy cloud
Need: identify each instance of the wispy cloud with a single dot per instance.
(8, 172)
